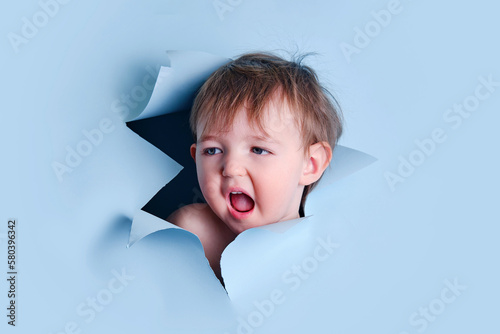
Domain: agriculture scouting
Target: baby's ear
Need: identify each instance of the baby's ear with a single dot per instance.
(192, 149)
(317, 160)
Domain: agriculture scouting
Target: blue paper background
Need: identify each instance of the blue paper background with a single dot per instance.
(397, 246)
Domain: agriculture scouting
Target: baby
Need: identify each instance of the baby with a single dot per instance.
(264, 131)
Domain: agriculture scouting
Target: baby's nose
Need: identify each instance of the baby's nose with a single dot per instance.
(233, 168)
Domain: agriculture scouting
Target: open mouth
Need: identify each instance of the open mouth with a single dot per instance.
(241, 202)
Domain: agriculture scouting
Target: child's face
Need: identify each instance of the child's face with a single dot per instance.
(248, 178)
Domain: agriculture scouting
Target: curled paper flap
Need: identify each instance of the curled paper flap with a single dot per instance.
(345, 161)
(176, 85)
(282, 227)
(144, 224)
(236, 253)
(252, 263)
(171, 134)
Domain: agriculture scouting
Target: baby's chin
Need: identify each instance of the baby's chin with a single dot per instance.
(255, 219)
(241, 226)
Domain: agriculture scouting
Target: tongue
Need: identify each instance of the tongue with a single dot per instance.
(241, 202)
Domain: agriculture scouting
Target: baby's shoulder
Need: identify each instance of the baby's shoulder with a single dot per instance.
(201, 220)
(190, 216)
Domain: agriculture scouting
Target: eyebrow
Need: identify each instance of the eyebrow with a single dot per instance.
(264, 138)
(255, 137)
(207, 138)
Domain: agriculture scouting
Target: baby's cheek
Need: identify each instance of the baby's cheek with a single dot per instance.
(203, 173)
(279, 175)
(281, 184)
(212, 191)
(271, 189)
(211, 186)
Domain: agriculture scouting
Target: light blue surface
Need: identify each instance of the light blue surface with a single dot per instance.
(398, 246)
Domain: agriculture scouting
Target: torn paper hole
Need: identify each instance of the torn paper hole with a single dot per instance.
(164, 123)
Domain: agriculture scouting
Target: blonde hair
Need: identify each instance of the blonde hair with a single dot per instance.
(251, 82)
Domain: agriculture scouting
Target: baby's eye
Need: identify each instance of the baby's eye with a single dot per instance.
(212, 150)
(260, 151)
